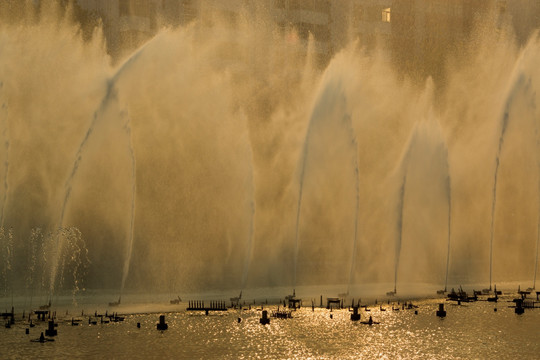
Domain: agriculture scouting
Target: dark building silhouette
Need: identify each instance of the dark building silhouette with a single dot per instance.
(420, 35)
(425, 34)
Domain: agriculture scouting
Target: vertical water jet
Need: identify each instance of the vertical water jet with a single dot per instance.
(127, 261)
(32, 264)
(449, 193)
(299, 204)
(329, 174)
(354, 144)
(401, 205)
(424, 202)
(249, 249)
(251, 235)
(537, 134)
(519, 83)
(252, 208)
(537, 245)
(449, 201)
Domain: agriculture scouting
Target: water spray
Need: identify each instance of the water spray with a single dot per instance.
(110, 93)
(354, 144)
(127, 261)
(521, 80)
(250, 240)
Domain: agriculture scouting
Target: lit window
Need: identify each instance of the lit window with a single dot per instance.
(386, 15)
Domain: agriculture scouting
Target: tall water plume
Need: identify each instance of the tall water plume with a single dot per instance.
(250, 239)
(6, 244)
(32, 264)
(346, 121)
(537, 134)
(328, 182)
(424, 199)
(399, 229)
(357, 211)
(449, 193)
(519, 108)
(473, 129)
(127, 261)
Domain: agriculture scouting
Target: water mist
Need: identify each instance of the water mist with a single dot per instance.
(100, 114)
(329, 187)
(424, 199)
(203, 162)
(519, 107)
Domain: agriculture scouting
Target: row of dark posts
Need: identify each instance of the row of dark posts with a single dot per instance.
(199, 305)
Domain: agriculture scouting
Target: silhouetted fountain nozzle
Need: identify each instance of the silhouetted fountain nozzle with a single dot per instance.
(294, 303)
(264, 320)
(162, 325)
(355, 316)
(370, 322)
(41, 339)
(493, 298)
(519, 306)
(441, 312)
(333, 303)
(12, 316)
(51, 331)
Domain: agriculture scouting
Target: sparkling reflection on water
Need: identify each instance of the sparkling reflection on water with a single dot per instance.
(474, 330)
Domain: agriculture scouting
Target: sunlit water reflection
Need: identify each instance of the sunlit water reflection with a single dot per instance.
(473, 330)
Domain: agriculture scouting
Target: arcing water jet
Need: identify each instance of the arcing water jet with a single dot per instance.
(328, 175)
(110, 95)
(401, 204)
(127, 261)
(251, 237)
(520, 90)
(424, 200)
